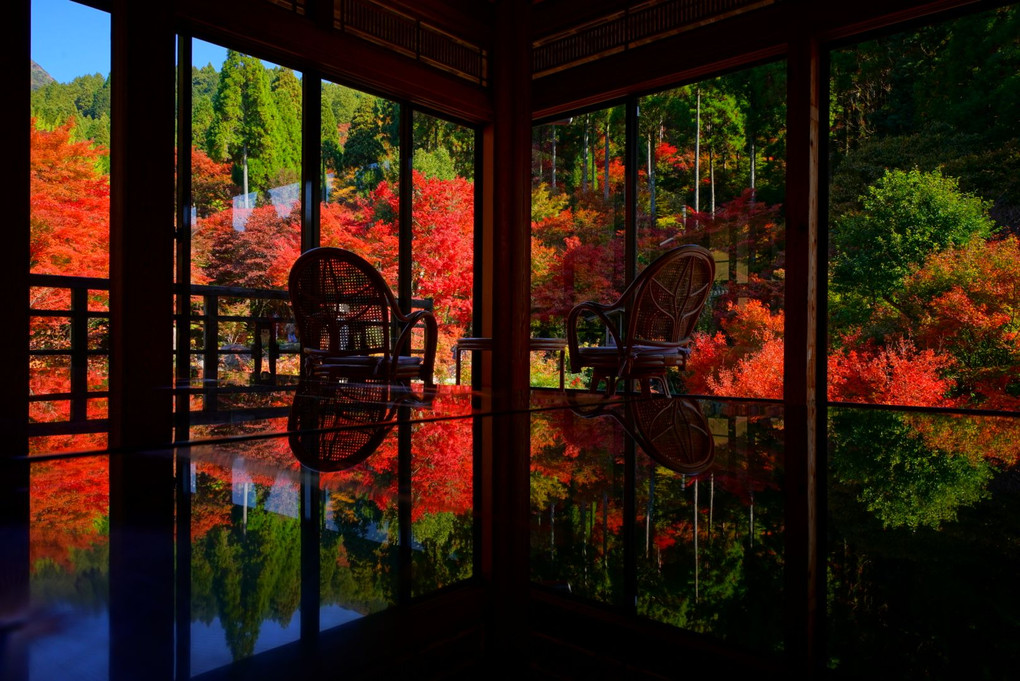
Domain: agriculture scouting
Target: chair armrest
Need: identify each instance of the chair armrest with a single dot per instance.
(431, 338)
(597, 310)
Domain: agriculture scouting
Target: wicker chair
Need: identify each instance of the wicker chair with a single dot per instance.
(659, 310)
(347, 318)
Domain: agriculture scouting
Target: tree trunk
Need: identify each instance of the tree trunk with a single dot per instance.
(650, 507)
(753, 166)
(697, 155)
(711, 503)
(584, 156)
(553, 129)
(695, 539)
(605, 188)
(552, 531)
(651, 182)
(605, 529)
(244, 171)
(751, 521)
(711, 180)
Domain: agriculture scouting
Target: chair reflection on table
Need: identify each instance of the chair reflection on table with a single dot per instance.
(335, 424)
(673, 431)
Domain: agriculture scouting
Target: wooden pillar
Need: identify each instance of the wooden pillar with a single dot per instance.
(510, 304)
(804, 351)
(14, 256)
(141, 226)
(14, 473)
(182, 304)
(14, 264)
(312, 172)
(405, 232)
(141, 351)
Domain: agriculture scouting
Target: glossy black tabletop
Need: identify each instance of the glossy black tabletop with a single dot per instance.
(355, 501)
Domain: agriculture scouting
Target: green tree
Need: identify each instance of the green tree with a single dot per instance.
(244, 121)
(449, 144)
(905, 217)
(364, 148)
(722, 131)
(286, 90)
(329, 134)
(901, 479)
(204, 83)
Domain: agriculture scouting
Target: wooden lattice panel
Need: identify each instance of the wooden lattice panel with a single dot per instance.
(637, 24)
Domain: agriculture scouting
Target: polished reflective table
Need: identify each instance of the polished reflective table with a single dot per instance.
(348, 530)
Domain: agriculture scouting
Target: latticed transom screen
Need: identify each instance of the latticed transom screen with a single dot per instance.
(340, 307)
(667, 307)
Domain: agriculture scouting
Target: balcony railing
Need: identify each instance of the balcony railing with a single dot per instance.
(237, 339)
(70, 347)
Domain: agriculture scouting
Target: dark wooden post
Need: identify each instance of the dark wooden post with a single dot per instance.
(14, 474)
(804, 353)
(14, 264)
(14, 256)
(141, 352)
(311, 154)
(510, 184)
(182, 302)
(15, 506)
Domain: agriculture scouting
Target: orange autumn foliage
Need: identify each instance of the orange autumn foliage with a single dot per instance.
(69, 500)
(70, 205)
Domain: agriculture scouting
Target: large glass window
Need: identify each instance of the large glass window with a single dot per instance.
(577, 221)
(442, 230)
(360, 191)
(712, 172)
(924, 206)
(246, 213)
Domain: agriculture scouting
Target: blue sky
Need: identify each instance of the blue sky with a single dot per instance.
(71, 40)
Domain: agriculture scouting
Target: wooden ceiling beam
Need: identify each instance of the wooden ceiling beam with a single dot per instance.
(295, 41)
(726, 45)
(685, 57)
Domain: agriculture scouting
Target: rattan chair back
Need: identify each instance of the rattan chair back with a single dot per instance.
(669, 296)
(341, 303)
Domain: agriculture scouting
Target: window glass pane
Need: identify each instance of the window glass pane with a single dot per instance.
(246, 210)
(442, 230)
(712, 172)
(360, 146)
(577, 191)
(923, 214)
(924, 208)
(70, 209)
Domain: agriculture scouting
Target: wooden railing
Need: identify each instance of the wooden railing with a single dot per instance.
(256, 334)
(262, 330)
(74, 347)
